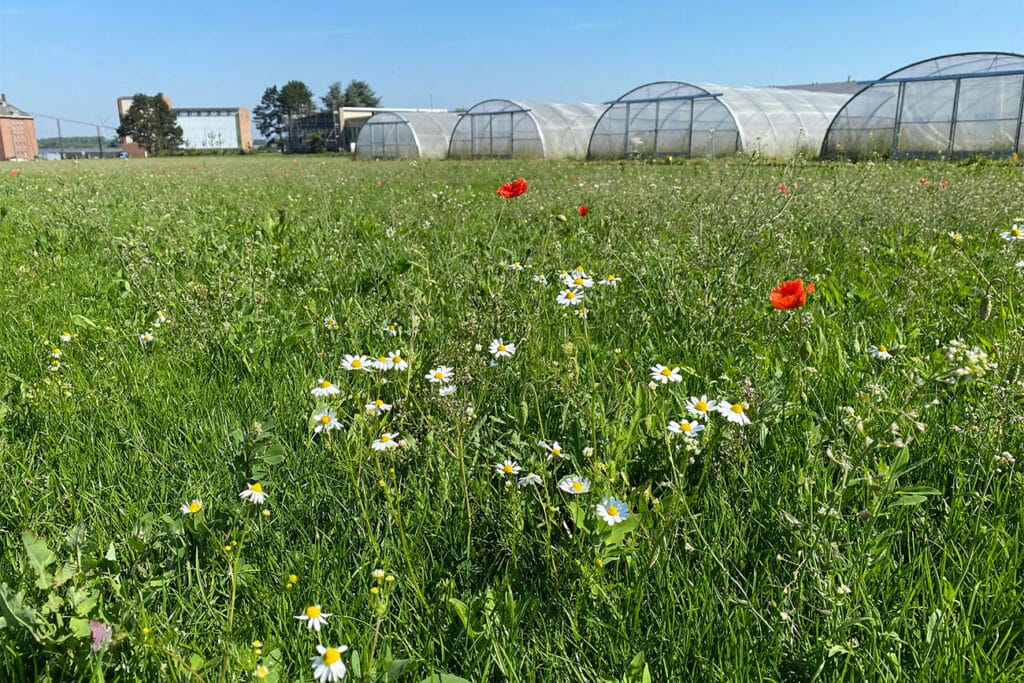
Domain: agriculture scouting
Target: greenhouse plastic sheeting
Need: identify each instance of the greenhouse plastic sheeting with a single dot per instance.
(956, 105)
(507, 129)
(672, 118)
(406, 135)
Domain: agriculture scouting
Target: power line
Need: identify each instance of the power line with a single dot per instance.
(64, 118)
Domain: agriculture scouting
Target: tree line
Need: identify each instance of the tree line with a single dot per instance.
(150, 123)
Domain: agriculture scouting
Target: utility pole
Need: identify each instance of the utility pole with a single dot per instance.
(99, 140)
(60, 140)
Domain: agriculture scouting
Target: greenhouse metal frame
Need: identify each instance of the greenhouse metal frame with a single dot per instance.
(406, 135)
(675, 118)
(964, 104)
(507, 129)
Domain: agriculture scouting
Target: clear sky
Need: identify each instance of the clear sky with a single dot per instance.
(74, 58)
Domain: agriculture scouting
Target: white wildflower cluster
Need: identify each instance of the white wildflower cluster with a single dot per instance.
(970, 363)
(700, 408)
(1004, 461)
(575, 283)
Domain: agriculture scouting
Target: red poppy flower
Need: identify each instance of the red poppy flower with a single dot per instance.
(943, 184)
(582, 210)
(14, 174)
(513, 189)
(784, 189)
(924, 182)
(790, 294)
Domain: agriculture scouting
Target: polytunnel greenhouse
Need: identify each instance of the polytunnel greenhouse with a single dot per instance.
(672, 118)
(514, 130)
(956, 105)
(406, 135)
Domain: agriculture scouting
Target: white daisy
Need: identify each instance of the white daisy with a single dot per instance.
(380, 363)
(690, 429)
(377, 407)
(879, 352)
(386, 442)
(324, 388)
(447, 390)
(191, 508)
(314, 618)
(540, 279)
(57, 353)
(253, 493)
(734, 412)
(65, 337)
(508, 467)
(396, 362)
(325, 420)
(327, 665)
(515, 265)
(611, 280)
(700, 407)
(499, 349)
(664, 374)
(392, 329)
(569, 297)
(54, 365)
(577, 279)
(581, 312)
(574, 484)
(161, 317)
(1014, 233)
(442, 374)
(531, 479)
(612, 510)
(145, 338)
(330, 323)
(356, 363)
(554, 449)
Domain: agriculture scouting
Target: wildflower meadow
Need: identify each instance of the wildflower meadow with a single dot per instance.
(297, 419)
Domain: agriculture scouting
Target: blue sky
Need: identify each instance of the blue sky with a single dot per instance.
(74, 58)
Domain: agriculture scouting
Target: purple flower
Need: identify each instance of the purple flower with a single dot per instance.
(101, 634)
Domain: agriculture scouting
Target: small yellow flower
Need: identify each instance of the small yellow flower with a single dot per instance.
(292, 578)
(375, 590)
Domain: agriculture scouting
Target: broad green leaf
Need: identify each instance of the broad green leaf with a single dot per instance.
(396, 667)
(14, 610)
(39, 557)
(80, 627)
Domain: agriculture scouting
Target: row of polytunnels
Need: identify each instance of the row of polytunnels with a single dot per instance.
(951, 106)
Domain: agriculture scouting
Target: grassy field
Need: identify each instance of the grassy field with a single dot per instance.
(865, 524)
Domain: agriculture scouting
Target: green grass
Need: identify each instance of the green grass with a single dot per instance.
(865, 526)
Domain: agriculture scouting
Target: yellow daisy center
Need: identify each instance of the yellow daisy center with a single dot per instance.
(438, 375)
(331, 656)
(378, 403)
(501, 347)
(508, 468)
(385, 438)
(665, 372)
(312, 611)
(257, 487)
(612, 510)
(578, 281)
(570, 295)
(685, 426)
(324, 384)
(382, 359)
(325, 419)
(556, 452)
(701, 406)
(577, 486)
(737, 408)
(356, 363)
(397, 360)
(881, 348)
(194, 506)
(1015, 232)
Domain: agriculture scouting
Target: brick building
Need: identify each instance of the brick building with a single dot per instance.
(17, 133)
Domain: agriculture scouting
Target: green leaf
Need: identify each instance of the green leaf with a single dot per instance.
(82, 321)
(462, 610)
(356, 665)
(444, 678)
(396, 667)
(14, 610)
(40, 557)
(637, 671)
(578, 514)
(80, 627)
(274, 454)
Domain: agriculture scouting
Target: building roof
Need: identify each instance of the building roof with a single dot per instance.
(9, 111)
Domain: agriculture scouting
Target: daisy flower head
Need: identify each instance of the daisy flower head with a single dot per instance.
(391, 329)
(314, 617)
(65, 337)
(327, 664)
(515, 265)
(442, 374)
(569, 297)
(1014, 233)
(377, 407)
(326, 420)
(161, 317)
(610, 280)
(324, 388)
(192, 507)
(57, 353)
(386, 442)
(330, 322)
(396, 362)
(574, 484)
(700, 407)
(581, 312)
(260, 672)
(356, 363)
(554, 449)
(734, 412)
(499, 349)
(253, 493)
(531, 479)
(540, 279)
(577, 279)
(145, 338)
(879, 352)
(447, 390)
(612, 510)
(508, 467)
(54, 365)
(664, 374)
(687, 428)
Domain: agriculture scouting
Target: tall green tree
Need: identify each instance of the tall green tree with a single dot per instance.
(360, 94)
(335, 98)
(296, 99)
(151, 125)
(269, 117)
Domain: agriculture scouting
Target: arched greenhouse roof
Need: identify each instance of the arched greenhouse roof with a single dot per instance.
(673, 118)
(508, 129)
(954, 105)
(406, 135)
